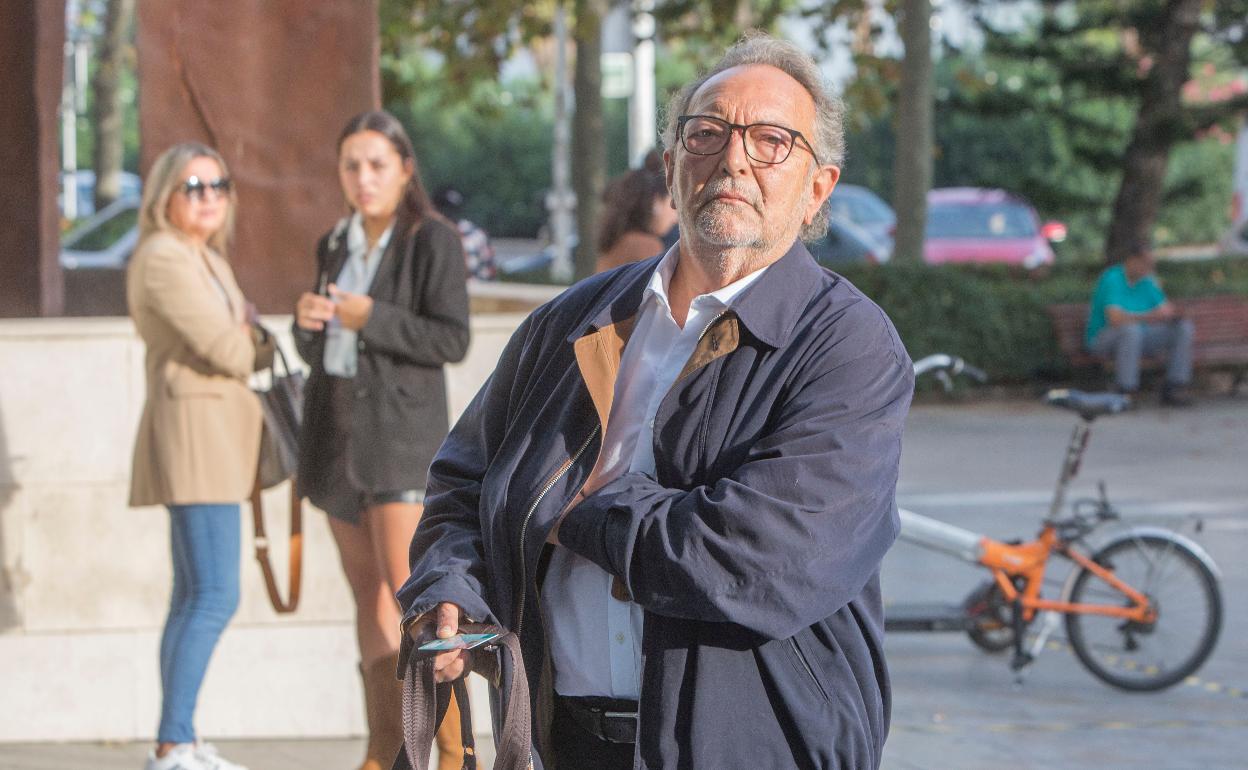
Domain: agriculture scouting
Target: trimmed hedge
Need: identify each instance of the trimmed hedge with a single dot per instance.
(994, 317)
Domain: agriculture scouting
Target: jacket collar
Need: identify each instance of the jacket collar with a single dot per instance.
(769, 308)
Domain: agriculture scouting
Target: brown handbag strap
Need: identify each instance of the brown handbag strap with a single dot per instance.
(296, 548)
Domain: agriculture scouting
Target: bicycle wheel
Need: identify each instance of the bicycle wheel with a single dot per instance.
(992, 626)
(1147, 656)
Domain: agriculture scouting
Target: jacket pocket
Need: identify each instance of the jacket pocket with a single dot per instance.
(805, 666)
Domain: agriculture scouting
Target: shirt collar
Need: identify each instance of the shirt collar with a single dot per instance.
(357, 241)
(661, 279)
(769, 306)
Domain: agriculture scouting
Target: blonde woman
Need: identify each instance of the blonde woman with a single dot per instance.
(199, 437)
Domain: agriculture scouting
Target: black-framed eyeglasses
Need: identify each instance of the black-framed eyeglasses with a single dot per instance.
(764, 142)
(196, 189)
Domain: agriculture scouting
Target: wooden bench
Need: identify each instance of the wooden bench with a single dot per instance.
(1221, 334)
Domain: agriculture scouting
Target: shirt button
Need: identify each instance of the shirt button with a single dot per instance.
(619, 638)
(360, 346)
(361, 392)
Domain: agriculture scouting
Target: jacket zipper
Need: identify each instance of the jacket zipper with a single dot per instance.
(524, 527)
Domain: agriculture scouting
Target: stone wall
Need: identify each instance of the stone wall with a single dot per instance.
(84, 580)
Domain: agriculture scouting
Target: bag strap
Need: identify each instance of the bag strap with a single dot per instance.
(296, 548)
(425, 704)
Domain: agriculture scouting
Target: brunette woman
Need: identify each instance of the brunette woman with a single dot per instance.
(390, 310)
(636, 213)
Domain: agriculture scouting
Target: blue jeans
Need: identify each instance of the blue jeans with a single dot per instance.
(205, 541)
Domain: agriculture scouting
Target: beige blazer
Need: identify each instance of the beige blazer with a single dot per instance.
(199, 437)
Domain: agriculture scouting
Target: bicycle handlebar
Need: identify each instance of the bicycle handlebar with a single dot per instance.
(944, 365)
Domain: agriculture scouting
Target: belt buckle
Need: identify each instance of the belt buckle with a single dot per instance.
(616, 730)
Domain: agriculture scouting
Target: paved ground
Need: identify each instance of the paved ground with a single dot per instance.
(989, 467)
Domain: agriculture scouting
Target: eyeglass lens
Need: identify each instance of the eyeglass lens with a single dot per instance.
(764, 143)
(197, 189)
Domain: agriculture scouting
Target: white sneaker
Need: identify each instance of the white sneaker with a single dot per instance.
(207, 754)
(190, 756)
(180, 757)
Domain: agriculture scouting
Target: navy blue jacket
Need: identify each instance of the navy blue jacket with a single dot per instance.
(754, 550)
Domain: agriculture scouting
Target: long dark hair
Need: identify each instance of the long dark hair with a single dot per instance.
(415, 203)
(628, 204)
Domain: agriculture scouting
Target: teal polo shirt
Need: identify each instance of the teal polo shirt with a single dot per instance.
(1113, 290)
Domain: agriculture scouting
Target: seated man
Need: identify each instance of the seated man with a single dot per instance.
(1131, 318)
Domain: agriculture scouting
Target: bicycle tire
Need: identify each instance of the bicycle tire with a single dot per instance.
(1147, 657)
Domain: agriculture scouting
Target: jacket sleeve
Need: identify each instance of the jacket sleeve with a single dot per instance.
(793, 533)
(172, 291)
(309, 344)
(439, 334)
(447, 556)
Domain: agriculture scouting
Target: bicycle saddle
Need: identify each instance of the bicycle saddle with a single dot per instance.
(1089, 406)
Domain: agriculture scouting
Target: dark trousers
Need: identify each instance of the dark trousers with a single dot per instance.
(577, 749)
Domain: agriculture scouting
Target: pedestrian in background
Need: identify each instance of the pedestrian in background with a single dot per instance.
(389, 311)
(636, 213)
(199, 436)
(478, 251)
(1130, 318)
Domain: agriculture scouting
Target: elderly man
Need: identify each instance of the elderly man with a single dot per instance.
(1130, 318)
(678, 485)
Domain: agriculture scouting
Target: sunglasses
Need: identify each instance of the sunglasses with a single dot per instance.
(196, 189)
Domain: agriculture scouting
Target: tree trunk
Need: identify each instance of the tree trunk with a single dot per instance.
(1158, 125)
(589, 154)
(106, 102)
(912, 165)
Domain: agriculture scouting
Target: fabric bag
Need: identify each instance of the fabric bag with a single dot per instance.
(282, 404)
(425, 704)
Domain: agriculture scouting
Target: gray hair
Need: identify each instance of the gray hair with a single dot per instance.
(163, 179)
(760, 48)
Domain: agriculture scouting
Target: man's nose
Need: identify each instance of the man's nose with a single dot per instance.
(733, 159)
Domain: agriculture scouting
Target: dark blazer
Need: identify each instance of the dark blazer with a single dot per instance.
(419, 323)
(754, 549)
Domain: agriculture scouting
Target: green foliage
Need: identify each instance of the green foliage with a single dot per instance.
(493, 145)
(994, 317)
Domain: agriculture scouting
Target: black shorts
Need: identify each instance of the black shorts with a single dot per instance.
(334, 491)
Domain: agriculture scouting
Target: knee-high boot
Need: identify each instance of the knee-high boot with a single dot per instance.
(449, 739)
(383, 706)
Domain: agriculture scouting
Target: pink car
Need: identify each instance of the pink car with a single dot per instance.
(973, 224)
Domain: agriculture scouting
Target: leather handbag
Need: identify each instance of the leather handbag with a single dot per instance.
(425, 704)
(282, 404)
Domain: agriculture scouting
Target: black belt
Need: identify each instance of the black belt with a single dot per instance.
(610, 720)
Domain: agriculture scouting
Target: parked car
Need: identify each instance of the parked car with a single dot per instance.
(971, 224)
(862, 207)
(846, 243)
(1236, 239)
(84, 183)
(105, 240)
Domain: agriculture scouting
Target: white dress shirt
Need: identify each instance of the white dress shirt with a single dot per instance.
(356, 277)
(595, 639)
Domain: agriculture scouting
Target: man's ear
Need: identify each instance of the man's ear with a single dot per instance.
(822, 182)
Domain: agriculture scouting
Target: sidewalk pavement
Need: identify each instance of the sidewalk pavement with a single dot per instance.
(259, 754)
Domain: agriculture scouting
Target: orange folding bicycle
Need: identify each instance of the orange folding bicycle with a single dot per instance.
(1142, 611)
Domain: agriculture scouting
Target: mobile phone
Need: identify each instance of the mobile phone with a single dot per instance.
(457, 642)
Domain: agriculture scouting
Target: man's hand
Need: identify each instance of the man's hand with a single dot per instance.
(444, 623)
(312, 311)
(1165, 312)
(353, 309)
